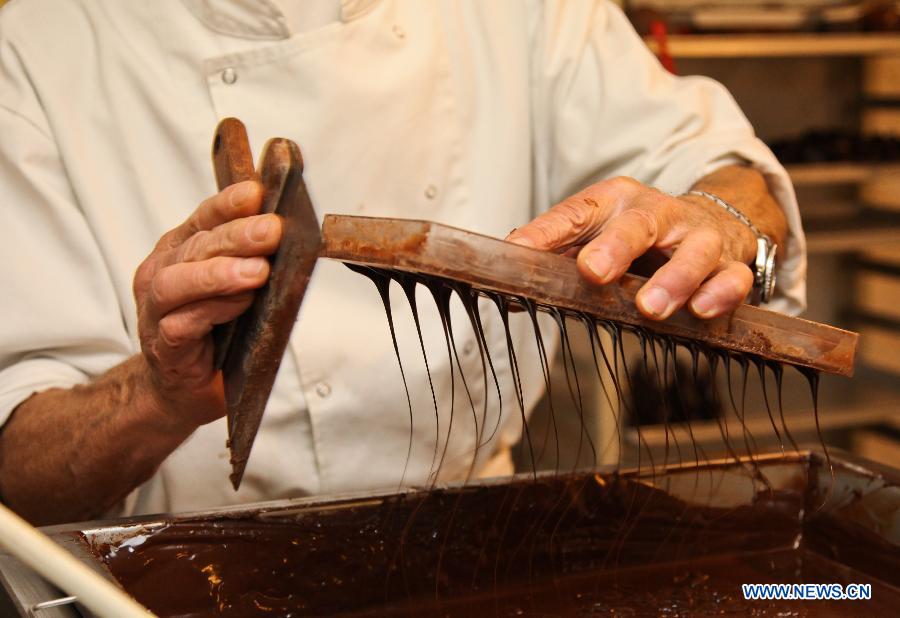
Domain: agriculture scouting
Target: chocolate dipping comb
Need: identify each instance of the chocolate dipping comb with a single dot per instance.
(487, 264)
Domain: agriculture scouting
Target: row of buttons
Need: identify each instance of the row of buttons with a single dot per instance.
(229, 75)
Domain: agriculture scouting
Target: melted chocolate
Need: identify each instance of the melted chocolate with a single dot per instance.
(595, 553)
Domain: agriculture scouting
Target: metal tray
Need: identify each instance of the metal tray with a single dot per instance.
(648, 538)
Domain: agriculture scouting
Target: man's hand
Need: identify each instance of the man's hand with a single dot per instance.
(111, 434)
(614, 222)
(200, 274)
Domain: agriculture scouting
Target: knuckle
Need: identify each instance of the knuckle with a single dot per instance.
(197, 246)
(546, 229)
(742, 280)
(705, 245)
(171, 330)
(142, 277)
(159, 287)
(207, 275)
(167, 240)
(681, 283)
(621, 184)
(238, 233)
(206, 212)
(713, 239)
(643, 221)
(574, 214)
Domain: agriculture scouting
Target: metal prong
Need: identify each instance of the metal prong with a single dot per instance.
(52, 603)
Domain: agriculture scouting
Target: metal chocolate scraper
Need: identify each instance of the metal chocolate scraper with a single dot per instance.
(249, 349)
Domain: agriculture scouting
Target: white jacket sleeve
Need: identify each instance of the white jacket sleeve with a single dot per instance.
(606, 107)
(61, 320)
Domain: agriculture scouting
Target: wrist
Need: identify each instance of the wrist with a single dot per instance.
(763, 264)
(160, 409)
(739, 240)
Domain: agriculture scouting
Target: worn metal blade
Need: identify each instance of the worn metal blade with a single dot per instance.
(260, 336)
(232, 163)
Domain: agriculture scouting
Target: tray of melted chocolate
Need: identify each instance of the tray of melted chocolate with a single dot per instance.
(674, 541)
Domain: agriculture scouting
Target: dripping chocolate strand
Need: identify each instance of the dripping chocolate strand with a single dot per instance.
(575, 393)
(482, 341)
(812, 376)
(712, 359)
(409, 285)
(441, 296)
(695, 374)
(761, 369)
(574, 386)
(382, 281)
(503, 308)
(662, 379)
(462, 377)
(745, 431)
(697, 448)
(531, 308)
(594, 339)
(778, 372)
(632, 413)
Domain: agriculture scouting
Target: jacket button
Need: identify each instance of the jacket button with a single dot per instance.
(323, 389)
(229, 76)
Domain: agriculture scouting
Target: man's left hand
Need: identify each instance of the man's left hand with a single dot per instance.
(612, 223)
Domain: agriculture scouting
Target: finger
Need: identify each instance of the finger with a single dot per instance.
(624, 238)
(668, 289)
(187, 282)
(723, 292)
(569, 223)
(245, 237)
(192, 322)
(238, 200)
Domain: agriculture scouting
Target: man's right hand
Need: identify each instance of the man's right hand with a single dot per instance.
(71, 454)
(200, 274)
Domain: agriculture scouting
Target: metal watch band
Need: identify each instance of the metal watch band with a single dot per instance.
(764, 265)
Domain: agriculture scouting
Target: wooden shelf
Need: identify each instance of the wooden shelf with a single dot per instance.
(838, 173)
(779, 45)
(832, 418)
(860, 232)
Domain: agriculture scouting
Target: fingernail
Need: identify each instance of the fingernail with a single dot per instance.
(259, 231)
(521, 240)
(656, 301)
(600, 264)
(251, 267)
(703, 304)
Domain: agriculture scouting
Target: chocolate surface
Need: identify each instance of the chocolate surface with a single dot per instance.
(575, 546)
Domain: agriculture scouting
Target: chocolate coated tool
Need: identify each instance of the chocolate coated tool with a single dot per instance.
(547, 278)
(249, 349)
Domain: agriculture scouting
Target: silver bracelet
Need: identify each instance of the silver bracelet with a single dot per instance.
(764, 271)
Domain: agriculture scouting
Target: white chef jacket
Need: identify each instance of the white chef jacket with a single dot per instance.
(475, 114)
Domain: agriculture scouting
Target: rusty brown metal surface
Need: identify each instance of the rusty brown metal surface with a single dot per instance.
(260, 336)
(232, 163)
(492, 264)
